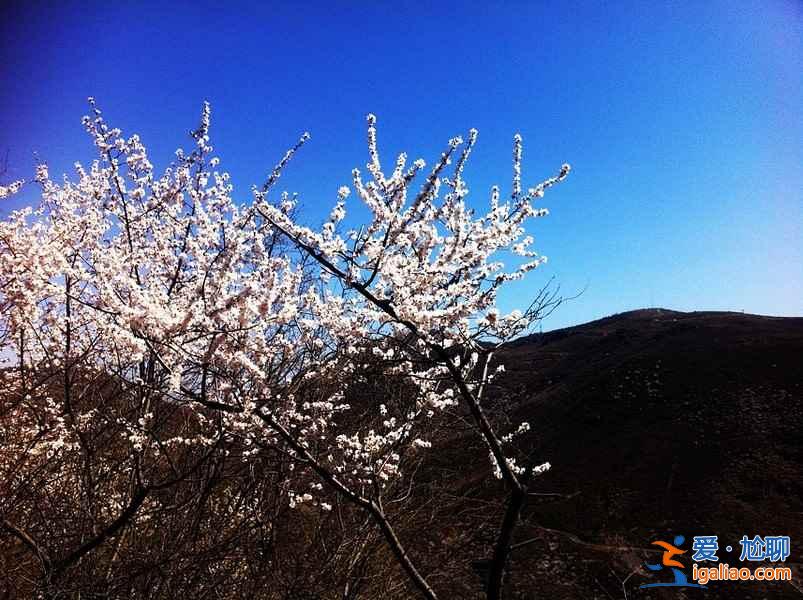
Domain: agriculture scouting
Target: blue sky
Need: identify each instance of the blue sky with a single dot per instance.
(683, 121)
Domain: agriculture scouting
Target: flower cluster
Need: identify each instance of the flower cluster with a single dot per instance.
(188, 298)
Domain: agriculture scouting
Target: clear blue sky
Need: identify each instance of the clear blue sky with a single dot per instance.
(683, 121)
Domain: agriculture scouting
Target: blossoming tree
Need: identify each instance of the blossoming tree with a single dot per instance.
(219, 322)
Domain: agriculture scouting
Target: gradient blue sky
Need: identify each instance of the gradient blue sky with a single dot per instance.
(683, 121)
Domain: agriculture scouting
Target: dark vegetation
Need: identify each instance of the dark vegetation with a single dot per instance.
(656, 423)
(659, 423)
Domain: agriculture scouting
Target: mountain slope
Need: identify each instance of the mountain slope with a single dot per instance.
(659, 423)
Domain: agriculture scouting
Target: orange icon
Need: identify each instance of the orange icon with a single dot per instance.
(670, 551)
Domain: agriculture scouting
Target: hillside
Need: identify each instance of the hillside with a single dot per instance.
(659, 423)
(656, 424)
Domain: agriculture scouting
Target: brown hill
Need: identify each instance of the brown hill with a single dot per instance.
(658, 423)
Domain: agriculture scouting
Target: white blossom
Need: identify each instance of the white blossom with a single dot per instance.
(171, 271)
